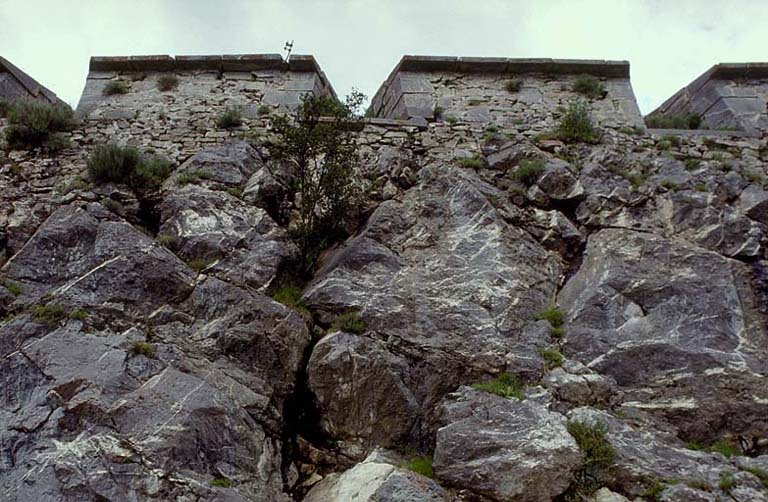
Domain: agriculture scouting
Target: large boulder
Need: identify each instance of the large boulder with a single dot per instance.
(376, 480)
(676, 326)
(504, 449)
(84, 256)
(446, 286)
(214, 226)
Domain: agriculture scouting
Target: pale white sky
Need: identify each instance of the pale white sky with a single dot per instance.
(357, 42)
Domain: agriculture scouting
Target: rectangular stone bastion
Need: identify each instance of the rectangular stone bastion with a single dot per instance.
(727, 96)
(502, 91)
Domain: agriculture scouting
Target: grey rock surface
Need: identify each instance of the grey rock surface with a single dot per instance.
(504, 448)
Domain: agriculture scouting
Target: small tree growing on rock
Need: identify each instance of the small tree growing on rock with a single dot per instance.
(317, 145)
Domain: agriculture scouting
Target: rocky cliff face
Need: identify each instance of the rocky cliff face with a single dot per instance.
(141, 357)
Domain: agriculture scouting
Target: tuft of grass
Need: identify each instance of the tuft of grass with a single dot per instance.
(513, 85)
(632, 131)
(593, 442)
(235, 192)
(726, 482)
(504, 385)
(552, 314)
(653, 492)
(350, 322)
(231, 117)
(698, 484)
(421, 465)
(576, 125)
(114, 87)
(33, 124)
(691, 163)
(676, 121)
(193, 177)
(13, 288)
(589, 86)
(669, 185)
(143, 349)
(221, 482)
(725, 448)
(557, 332)
(199, 264)
(760, 473)
(50, 315)
(168, 240)
(113, 163)
(451, 119)
(290, 296)
(263, 110)
(475, 162)
(79, 315)
(552, 357)
(167, 82)
(700, 187)
(528, 171)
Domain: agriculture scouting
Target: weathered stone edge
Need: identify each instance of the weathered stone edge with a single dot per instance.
(35, 88)
(596, 67)
(225, 62)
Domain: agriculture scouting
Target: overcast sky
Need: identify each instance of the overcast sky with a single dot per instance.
(357, 42)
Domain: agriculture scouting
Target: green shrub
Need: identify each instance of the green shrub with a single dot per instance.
(116, 87)
(421, 465)
(222, 482)
(112, 163)
(504, 385)
(557, 332)
(50, 315)
(322, 156)
(576, 125)
(34, 124)
(475, 162)
(513, 85)
(5, 106)
(143, 349)
(528, 171)
(13, 288)
(552, 357)
(589, 86)
(264, 109)
(80, 315)
(592, 442)
(727, 482)
(167, 82)
(552, 314)
(674, 121)
(290, 296)
(231, 117)
(350, 322)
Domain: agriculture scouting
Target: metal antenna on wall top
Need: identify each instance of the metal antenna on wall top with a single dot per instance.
(288, 48)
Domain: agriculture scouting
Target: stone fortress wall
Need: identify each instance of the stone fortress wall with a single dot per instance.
(727, 96)
(473, 90)
(180, 121)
